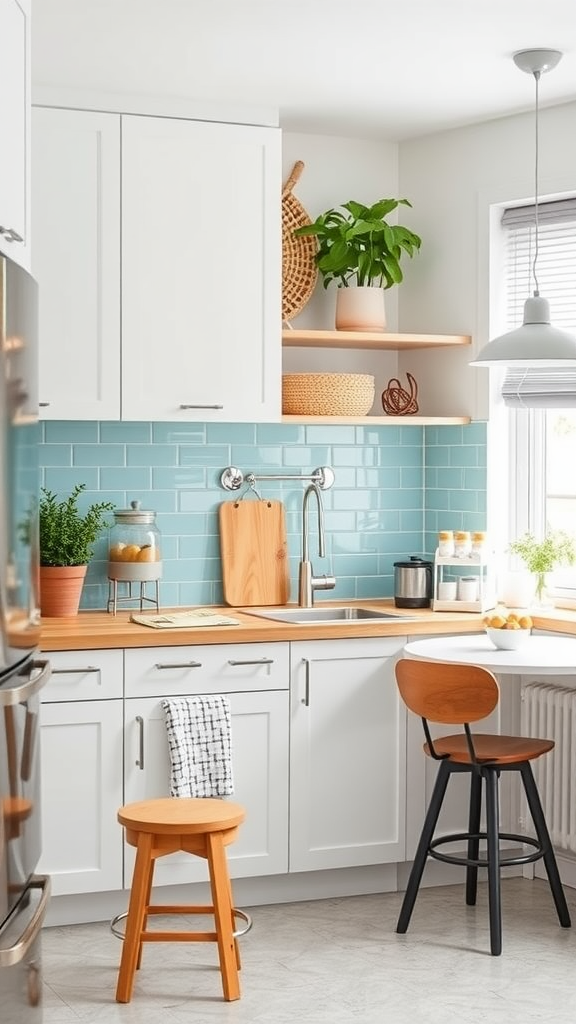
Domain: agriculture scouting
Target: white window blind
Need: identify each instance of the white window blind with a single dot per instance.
(530, 387)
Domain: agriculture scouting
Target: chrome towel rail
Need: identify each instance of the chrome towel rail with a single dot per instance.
(233, 478)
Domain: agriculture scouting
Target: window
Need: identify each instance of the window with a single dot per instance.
(544, 438)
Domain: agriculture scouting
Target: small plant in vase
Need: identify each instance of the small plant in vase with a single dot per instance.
(67, 538)
(542, 556)
(358, 248)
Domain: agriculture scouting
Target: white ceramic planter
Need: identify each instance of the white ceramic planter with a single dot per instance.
(360, 309)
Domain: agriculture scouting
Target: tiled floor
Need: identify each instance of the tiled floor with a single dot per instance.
(337, 961)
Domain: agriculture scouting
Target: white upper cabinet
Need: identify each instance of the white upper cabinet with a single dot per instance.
(157, 248)
(76, 261)
(15, 129)
(201, 270)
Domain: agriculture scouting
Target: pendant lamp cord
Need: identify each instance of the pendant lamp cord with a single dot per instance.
(536, 156)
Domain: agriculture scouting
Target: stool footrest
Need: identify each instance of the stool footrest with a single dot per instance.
(181, 936)
(482, 862)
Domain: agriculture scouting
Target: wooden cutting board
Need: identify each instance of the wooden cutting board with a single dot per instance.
(254, 552)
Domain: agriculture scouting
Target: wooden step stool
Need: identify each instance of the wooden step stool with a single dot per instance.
(203, 827)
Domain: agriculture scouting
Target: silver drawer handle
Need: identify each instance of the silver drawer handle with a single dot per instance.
(256, 661)
(195, 406)
(10, 234)
(179, 664)
(74, 671)
(306, 699)
(140, 758)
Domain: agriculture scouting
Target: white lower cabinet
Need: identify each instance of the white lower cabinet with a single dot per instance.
(81, 771)
(255, 677)
(348, 754)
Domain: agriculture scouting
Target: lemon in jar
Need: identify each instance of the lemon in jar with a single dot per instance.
(115, 552)
(130, 552)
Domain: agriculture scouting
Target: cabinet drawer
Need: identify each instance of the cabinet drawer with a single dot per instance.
(84, 675)
(210, 669)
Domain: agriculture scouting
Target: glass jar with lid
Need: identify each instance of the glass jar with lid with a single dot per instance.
(134, 550)
(446, 543)
(462, 544)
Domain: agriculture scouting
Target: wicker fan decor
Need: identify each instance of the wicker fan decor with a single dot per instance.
(299, 270)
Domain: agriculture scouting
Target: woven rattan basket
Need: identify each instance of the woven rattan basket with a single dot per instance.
(299, 270)
(327, 394)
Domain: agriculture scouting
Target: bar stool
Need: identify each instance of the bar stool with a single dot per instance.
(457, 695)
(202, 827)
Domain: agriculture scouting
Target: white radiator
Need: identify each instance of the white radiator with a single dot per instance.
(549, 712)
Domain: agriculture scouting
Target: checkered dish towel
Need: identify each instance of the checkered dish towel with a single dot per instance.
(200, 743)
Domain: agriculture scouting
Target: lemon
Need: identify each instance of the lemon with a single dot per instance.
(115, 553)
(498, 622)
(130, 553)
(147, 554)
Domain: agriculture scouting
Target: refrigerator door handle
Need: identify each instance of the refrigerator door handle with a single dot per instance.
(23, 691)
(14, 954)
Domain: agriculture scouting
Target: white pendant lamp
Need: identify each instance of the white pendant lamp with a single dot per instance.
(536, 342)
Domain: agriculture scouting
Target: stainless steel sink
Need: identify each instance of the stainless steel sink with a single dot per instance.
(327, 614)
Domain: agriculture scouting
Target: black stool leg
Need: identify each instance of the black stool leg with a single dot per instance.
(493, 856)
(474, 841)
(535, 805)
(423, 846)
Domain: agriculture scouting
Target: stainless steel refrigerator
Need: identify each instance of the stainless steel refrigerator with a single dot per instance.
(24, 895)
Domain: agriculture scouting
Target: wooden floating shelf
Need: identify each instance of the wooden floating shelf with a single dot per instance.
(381, 421)
(370, 340)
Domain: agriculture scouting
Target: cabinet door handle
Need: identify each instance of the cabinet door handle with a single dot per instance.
(10, 234)
(140, 758)
(43, 405)
(306, 698)
(178, 664)
(194, 405)
(73, 671)
(255, 661)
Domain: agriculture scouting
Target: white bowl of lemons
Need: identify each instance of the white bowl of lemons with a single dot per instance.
(508, 632)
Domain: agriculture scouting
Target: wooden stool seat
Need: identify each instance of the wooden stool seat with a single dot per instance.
(202, 827)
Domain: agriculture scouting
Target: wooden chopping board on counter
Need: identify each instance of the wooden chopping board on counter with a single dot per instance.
(254, 551)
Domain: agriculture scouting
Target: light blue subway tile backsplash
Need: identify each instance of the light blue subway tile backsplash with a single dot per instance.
(395, 487)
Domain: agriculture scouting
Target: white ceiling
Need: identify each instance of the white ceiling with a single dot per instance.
(386, 69)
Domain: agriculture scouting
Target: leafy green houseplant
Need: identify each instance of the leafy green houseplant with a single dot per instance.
(357, 246)
(67, 535)
(67, 538)
(541, 556)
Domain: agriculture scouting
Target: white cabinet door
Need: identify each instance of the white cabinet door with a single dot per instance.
(201, 252)
(81, 722)
(15, 129)
(76, 261)
(81, 758)
(260, 766)
(347, 754)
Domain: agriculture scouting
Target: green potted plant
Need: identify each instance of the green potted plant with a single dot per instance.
(542, 556)
(357, 247)
(67, 538)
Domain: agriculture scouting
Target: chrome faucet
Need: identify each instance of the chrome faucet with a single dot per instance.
(307, 582)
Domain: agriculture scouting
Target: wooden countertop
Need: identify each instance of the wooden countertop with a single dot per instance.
(100, 630)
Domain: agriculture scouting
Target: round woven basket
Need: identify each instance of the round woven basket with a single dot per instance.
(299, 270)
(327, 394)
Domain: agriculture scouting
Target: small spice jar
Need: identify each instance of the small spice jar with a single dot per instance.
(446, 544)
(479, 544)
(462, 544)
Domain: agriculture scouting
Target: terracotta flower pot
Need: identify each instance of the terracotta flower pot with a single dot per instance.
(61, 589)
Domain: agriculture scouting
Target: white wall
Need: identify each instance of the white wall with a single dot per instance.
(453, 180)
